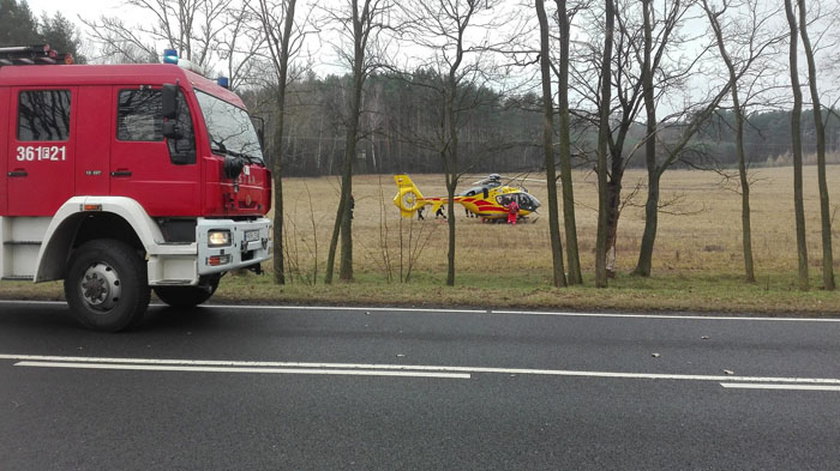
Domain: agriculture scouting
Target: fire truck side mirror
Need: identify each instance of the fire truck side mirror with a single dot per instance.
(169, 109)
(259, 124)
(169, 97)
(170, 130)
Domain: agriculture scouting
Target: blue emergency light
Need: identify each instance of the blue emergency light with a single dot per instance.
(170, 56)
(223, 82)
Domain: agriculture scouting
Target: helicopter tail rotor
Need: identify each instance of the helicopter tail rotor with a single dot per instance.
(408, 197)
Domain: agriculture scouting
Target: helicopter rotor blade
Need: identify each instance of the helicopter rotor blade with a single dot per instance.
(523, 177)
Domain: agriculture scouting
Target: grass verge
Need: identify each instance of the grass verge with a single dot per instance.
(696, 293)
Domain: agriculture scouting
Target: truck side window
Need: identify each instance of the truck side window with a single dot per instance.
(44, 115)
(140, 118)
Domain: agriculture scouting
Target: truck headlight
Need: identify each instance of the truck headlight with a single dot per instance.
(218, 238)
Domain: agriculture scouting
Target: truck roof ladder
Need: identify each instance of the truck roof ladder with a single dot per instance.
(32, 55)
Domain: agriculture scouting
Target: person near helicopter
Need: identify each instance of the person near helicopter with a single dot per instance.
(513, 211)
(440, 214)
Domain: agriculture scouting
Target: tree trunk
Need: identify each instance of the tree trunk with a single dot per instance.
(746, 224)
(343, 219)
(796, 144)
(565, 150)
(350, 146)
(614, 186)
(282, 63)
(603, 137)
(330, 268)
(548, 148)
(825, 208)
(643, 267)
(451, 183)
(740, 119)
(277, 170)
(451, 166)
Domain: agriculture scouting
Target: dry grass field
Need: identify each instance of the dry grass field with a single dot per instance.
(697, 267)
(699, 229)
(698, 264)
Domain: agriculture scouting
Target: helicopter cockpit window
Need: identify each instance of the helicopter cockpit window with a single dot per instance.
(528, 202)
(524, 200)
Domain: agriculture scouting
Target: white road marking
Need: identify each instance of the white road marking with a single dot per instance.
(484, 312)
(785, 387)
(137, 363)
(222, 369)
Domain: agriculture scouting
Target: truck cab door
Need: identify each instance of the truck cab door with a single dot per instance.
(40, 150)
(161, 173)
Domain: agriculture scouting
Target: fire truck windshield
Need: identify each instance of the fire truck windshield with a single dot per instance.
(230, 128)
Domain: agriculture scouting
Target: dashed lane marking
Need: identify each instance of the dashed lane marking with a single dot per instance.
(784, 387)
(241, 369)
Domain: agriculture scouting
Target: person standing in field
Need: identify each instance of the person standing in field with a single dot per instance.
(513, 211)
(440, 212)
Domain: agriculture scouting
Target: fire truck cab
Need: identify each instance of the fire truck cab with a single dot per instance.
(122, 179)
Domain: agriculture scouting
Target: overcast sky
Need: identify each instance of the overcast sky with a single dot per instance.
(85, 8)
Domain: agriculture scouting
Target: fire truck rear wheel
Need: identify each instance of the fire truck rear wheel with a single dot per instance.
(187, 296)
(106, 285)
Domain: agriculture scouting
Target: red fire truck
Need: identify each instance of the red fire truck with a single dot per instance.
(122, 179)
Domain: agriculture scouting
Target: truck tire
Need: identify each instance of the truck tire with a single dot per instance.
(187, 296)
(106, 285)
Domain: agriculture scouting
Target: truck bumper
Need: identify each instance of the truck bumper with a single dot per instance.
(250, 244)
(184, 264)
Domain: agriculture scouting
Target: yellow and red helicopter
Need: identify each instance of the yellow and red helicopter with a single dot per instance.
(487, 200)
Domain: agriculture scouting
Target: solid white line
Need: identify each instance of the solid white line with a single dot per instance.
(416, 368)
(667, 316)
(490, 312)
(785, 387)
(484, 312)
(218, 369)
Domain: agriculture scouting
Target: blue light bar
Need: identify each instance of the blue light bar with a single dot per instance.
(223, 82)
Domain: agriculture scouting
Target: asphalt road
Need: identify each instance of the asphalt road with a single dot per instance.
(321, 388)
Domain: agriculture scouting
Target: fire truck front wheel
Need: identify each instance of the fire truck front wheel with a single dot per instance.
(187, 296)
(106, 285)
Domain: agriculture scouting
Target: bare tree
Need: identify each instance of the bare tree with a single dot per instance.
(648, 93)
(239, 43)
(825, 208)
(690, 125)
(548, 148)
(627, 99)
(440, 26)
(603, 143)
(202, 31)
(564, 147)
(177, 24)
(750, 42)
(360, 23)
(796, 149)
(282, 43)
